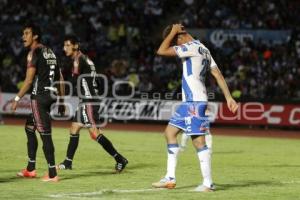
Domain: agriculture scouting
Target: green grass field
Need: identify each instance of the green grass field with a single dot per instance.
(243, 168)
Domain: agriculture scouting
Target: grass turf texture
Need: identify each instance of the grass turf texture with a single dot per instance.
(243, 168)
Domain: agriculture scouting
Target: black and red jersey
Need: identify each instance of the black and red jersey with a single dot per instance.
(84, 77)
(47, 70)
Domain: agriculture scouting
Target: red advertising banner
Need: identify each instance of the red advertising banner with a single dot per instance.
(256, 113)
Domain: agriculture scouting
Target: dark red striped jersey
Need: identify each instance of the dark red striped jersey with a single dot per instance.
(47, 70)
(85, 78)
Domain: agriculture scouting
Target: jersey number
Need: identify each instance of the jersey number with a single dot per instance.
(52, 73)
(205, 64)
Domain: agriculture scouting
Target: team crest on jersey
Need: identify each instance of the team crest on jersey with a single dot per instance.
(192, 111)
(48, 54)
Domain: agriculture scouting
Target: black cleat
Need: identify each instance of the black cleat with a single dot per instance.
(120, 165)
(63, 166)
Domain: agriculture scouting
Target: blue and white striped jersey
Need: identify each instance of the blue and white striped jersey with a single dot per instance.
(196, 62)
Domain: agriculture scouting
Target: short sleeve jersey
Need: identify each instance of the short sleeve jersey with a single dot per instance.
(47, 71)
(84, 73)
(196, 62)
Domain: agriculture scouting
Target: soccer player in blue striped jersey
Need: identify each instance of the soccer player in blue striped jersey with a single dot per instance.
(190, 116)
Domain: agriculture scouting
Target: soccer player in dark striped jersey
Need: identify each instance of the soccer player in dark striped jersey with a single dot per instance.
(42, 73)
(84, 79)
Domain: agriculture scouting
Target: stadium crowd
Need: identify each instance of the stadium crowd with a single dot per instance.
(121, 37)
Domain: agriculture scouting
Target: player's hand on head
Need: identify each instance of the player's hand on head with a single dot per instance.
(232, 105)
(177, 28)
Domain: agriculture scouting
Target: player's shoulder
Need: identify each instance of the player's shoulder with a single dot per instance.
(86, 59)
(193, 45)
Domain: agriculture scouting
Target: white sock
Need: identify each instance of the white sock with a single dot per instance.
(184, 140)
(204, 156)
(173, 150)
(208, 141)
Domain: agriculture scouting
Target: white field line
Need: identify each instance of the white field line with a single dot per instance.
(87, 194)
(290, 182)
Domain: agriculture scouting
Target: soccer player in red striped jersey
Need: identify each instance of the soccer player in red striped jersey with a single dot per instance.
(84, 79)
(41, 74)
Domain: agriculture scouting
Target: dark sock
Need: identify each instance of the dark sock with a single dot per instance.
(118, 157)
(32, 145)
(72, 147)
(107, 146)
(48, 149)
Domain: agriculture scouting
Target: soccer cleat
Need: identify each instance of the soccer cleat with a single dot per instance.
(63, 166)
(120, 165)
(27, 174)
(46, 178)
(203, 188)
(169, 183)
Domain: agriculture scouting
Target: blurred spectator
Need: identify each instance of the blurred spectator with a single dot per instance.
(123, 33)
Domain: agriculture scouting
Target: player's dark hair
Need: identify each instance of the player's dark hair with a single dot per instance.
(167, 31)
(36, 30)
(72, 38)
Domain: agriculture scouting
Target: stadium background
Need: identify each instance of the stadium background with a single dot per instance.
(256, 44)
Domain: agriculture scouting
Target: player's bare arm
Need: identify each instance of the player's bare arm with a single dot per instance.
(232, 105)
(165, 48)
(30, 73)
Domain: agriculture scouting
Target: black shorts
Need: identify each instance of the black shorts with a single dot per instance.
(40, 117)
(87, 114)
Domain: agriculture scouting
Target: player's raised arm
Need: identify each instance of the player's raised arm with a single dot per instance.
(169, 34)
(30, 73)
(232, 105)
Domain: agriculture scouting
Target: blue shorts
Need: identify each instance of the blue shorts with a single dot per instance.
(191, 118)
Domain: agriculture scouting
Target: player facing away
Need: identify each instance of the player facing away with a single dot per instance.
(87, 111)
(41, 74)
(190, 115)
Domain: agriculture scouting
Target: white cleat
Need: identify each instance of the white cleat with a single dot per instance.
(203, 188)
(169, 183)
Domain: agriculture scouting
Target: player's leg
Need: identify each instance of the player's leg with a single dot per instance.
(41, 113)
(106, 144)
(72, 146)
(184, 140)
(176, 124)
(171, 133)
(169, 180)
(209, 140)
(93, 123)
(204, 157)
(198, 129)
(32, 145)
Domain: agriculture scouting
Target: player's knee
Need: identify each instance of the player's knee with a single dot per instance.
(170, 135)
(29, 129)
(75, 128)
(198, 141)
